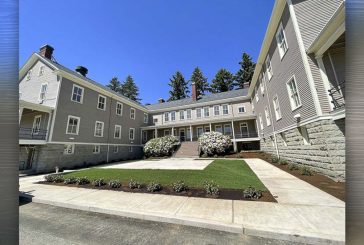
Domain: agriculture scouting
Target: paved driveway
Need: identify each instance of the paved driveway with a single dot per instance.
(168, 163)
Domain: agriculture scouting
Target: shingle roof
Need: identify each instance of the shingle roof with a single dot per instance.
(203, 99)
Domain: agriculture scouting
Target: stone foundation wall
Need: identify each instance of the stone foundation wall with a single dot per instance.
(325, 153)
(49, 156)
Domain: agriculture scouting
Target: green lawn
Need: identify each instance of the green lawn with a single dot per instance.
(234, 174)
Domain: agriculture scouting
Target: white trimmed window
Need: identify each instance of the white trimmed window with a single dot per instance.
(261, 121)
(73, 125)
(262, 84)
(218, 128)
(77, 93)
(68, 149)
(227, 129)
(268, 66)
(256, 95)
(216, 110)
(41, 71)
(117, 132)
(294, 97)
(241, 109)
(119, 109)
(131, 133)
(277, 109)
(206, 111)
(189, 113)
(267, 116)
(99, 129)
(29, 75)
(155, 120)
(304, 134)
(181, 115)
(281, 41)
(145, 118)
(43, 90)
(96, 149)
(173, 116)
(132, 113)
(198, 113)
(166, 132)
(101, 102)
(166, 116)
(225, 109)
(36, 124)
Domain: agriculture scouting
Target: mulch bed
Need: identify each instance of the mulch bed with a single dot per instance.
(337, 189)
(230, 194)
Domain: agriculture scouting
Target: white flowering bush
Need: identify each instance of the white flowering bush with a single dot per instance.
(160, 147)
(214, 143)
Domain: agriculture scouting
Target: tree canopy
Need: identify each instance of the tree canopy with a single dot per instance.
(201, 83)
(223, 81)
(178, 87)
(245, 73)
(130, 89)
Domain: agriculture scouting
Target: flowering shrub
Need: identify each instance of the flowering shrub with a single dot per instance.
(99, 182)
(56, 178)
(71, 180)
(133, 184)
(160, 147)
(114, 184)
(212, 143)
(179, 186)
(252, 193)
(153, 187)
(211, 187)
(82, 181)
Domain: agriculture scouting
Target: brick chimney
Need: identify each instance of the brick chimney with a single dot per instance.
(194, 92)
(46, 51)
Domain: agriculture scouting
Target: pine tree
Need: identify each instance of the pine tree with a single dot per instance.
(202, 86)
(223, 81)
(129, 89)
(246, 71)
(114, 84)
(179, 87)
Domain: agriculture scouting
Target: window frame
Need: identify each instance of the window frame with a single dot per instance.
(102, 129)
(132, 129)
(214, 108)
(35, 130)
(261, 121)
(73, 92)
(282, 53)
(130, 148)
(44, 93)
(77, 127)
(166, 130)
(41, 70)
(173, 118)
(121, 108)
(278, 117)
(189, 114)
(164, 116)
(119, 127)
(242, 106)
(293, 107)
(223, 111)
(134, 113)
(267, 116)
(268, 68)
(116, 149)
(181, 115)
(200, 110)
(231, 130)
(98, 147)
(208, 111)
(65, 147)
(220, 126)
(146, 118)
(29, 75)
(98, 102)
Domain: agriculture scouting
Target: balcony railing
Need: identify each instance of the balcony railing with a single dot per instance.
(337, 95)
(32, 134)
(246, 135)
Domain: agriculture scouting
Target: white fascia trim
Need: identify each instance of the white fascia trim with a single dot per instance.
(55, 110)
(86, 143)
(34, 106)
(32, 142)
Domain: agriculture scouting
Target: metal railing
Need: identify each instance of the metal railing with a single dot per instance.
(246, 135)
(337, 95)
(32, 134)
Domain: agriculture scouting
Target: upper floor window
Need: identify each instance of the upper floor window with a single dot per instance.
(181, 115)
(189, 113)
(267, 116)
(216, 110)
(99, 129)
(131, 133)
(198, 112)
(261, 121)
(41, 71)
(206, 111)
(256, 95)
(294, 97)
(261, 77)
(132, 113)
(166, 116)
(241, 109)
(277, 109)
(117, 132)
(101, 103)
(77, 94)
(281, 41)
(173, 116)
(119, 109)
(155, 120)
(268, 66)
(145, 118)
(29, 75)
(43, 90)
(73, 125)
(227, 129)
(225, 109)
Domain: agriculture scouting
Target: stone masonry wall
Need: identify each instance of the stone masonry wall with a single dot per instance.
(325, 153)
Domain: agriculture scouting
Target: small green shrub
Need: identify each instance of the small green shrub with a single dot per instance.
(49, 178)
(274, 159)
(306, 171)
(133, 184)
(114, 184)
(283, 162)
(252, 193)
(211, 187)
(82, 181)
(160, 147)
(55, 178)
(71, 180)
(292, 166)
(99, 182)
(179, 186)
(153, 187)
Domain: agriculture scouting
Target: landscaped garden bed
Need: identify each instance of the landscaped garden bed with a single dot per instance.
(224, 179)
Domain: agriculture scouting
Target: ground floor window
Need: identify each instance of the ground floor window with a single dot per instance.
(227, 129)
(69, 149)
(218, 128)
(96, 149)
(166, 132)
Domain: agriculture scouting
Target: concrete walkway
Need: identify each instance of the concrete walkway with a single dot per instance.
(315, 222)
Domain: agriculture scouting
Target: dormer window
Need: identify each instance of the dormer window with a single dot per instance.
(41, 71)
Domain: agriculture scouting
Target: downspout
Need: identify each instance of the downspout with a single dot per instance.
(108, 133)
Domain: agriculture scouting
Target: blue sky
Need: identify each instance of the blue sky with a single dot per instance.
(148, 39)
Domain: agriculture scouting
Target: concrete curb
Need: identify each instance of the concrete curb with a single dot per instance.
(189, 221)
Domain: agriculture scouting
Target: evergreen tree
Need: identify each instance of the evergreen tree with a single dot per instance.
(114, 84)
(129, 89)
(223, 81)
(246, 71)
(179, 87)
(200, 81)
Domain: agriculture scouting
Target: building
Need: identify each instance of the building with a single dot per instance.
(297, 90)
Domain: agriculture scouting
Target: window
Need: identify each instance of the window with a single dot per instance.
(101, 104)
(43, 90)
(267, 116)
(145, 118)
(261, 121)
(304, 133)
(154, 134)
(73, 125)
(119, 109)
(294, 97)
(198, 112)
(41, 71)
(199, 131)
(207, 129)
(131, 133)
(241, 109)
(36, 124)
(227, 129)
(145, 136)
(244, 130)
(256, 95)
(77, 94)
(130, 149)
(281, 41)
(283, 136)
(116, 149)
(218, 128)
(173, 116)
(277, 109)
(181, 115)
(166, 116)
(252, 106)
(216, 110)
(69, 149)
(225, 109)
(132, 113)
(99, 129)
(189, 114)
(29, 75)
(262, 84)
(268, 66)
(206, 111)
(155, 120)
(117, 132)
(166, 132)
(96, 149)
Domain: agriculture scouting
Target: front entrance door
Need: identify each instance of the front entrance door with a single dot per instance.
(188, 134)
(182, 135)
(244, 130)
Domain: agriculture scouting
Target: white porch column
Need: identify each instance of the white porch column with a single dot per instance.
(20, 113)
(156, 132)
(191, 134)
(49, 123)
(210, 127)
(172, 131)
(234, 142)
